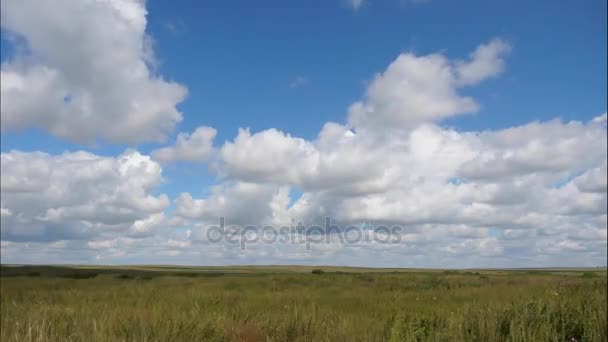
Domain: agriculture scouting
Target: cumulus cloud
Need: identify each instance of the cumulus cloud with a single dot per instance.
(88, 74)
(593, 180)
(241, 203)
(486, 61)
(195, 147)
(79, 195)
(423, 89)
(267, 156)
(434, 175)
(549, 147)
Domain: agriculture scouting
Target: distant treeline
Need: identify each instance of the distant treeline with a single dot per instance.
(85, 273)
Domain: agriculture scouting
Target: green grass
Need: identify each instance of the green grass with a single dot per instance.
(286, 303)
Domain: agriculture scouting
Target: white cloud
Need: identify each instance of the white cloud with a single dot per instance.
(484, 247)
(88, 74)
(146, 226)
(195, 147)
(486, 61)
(269, 155)
(601, 119)
(551, 146)
(355, 4)
(593, 180)
(433, 175)
(79, 195)
(411, 91)
(241, 203)
(423, 89)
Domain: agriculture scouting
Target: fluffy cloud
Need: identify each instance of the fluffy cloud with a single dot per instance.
(545, 147)
(267, 155)
(593, 180)
(418, 89)
(88, 73)
(241, 203)
(195, 147)
(79, 195)
(433, 175)
(486, 61)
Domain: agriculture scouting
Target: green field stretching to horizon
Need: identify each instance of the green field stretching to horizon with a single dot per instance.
(300, 303)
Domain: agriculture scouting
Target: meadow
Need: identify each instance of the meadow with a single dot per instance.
(289, 303)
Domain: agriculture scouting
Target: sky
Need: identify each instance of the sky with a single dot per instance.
(477, 128)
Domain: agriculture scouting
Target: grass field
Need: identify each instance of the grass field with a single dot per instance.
(287, 303)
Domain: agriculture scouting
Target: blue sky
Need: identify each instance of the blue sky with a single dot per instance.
(295, 66)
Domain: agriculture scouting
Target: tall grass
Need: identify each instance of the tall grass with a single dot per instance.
(306, 307)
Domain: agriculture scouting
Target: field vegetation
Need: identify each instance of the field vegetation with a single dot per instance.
(286, 303)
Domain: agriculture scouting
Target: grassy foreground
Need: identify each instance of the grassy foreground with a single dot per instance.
(295, 304)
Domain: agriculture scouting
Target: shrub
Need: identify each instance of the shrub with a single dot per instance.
(81, 275)
(124, 276)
